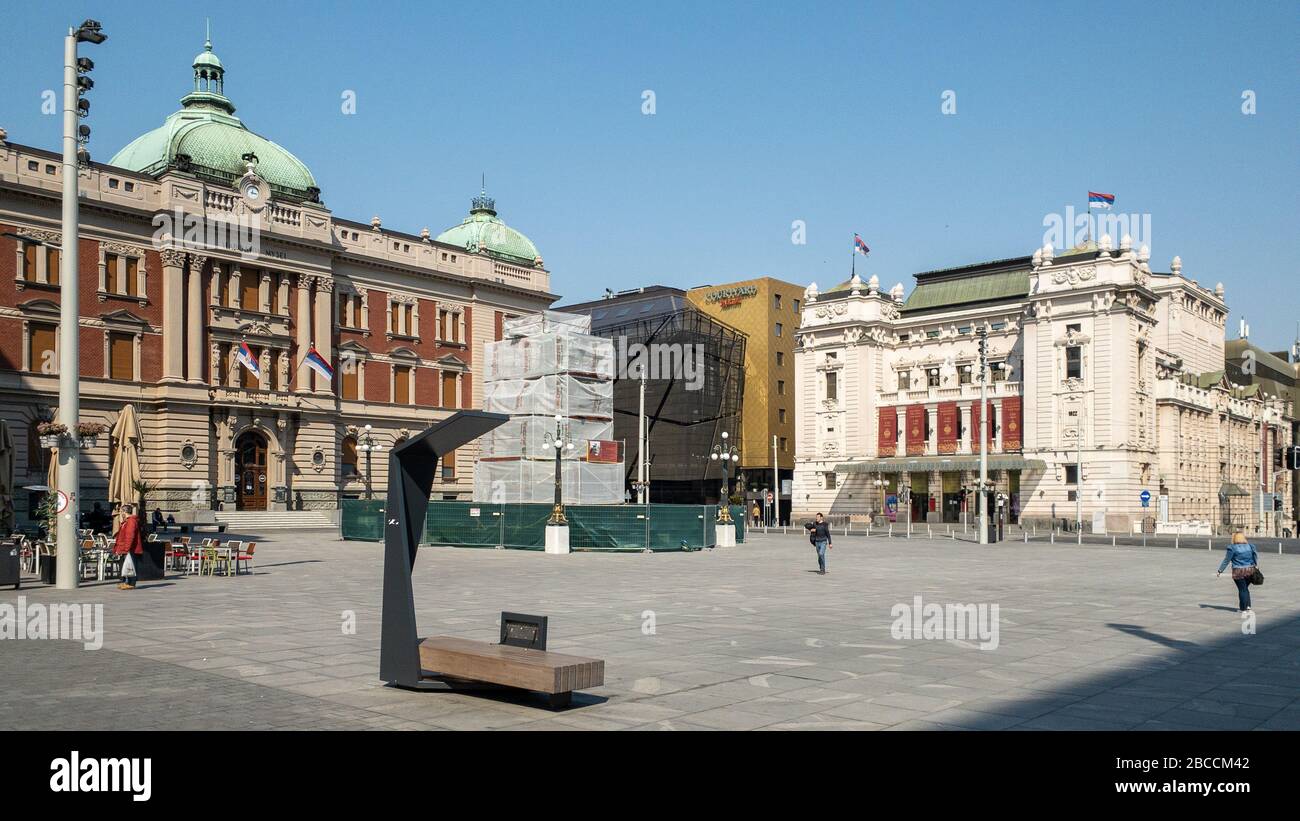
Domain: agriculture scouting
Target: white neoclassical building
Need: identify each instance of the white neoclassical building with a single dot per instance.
(1105, 380)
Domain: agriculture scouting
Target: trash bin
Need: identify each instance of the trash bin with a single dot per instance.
(993, 531)
(49, 567)
(9, 567)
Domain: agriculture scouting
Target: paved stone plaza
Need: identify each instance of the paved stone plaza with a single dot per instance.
(744, 638)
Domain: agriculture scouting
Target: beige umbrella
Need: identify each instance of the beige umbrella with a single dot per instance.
(6, 478)
(125, 444)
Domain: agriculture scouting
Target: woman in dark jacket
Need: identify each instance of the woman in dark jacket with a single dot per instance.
(1243, 558)
(819, 533)
(128, 545)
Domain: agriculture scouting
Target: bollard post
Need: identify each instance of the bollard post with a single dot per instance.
(1175, 541)
(1209, 544)
(1026, 535)
(1112, 540)
(1053, 535)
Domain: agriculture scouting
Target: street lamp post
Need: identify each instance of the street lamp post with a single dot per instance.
(74, 83)
(368, 445)
(559, 445)
(982, 499)
(728, 455)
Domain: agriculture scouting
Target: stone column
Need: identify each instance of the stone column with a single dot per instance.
(214, 365)
(264, 293)
(194, 321)
(302, 332)
(233, 290)
(173, 262)
(214, 289)
(324, 327)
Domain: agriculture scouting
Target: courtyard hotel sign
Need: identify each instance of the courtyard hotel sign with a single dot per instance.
(728, 297)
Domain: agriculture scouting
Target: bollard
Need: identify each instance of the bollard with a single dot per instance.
(1112, 541)
(1175, 541)
(1026, 534)
(1279, 548)
(929, 532)
(953, 536)
(891, 529)
(1209, 544)
(1053, 535)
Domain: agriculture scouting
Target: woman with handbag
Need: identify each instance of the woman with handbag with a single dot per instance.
(1245, 569)
(128, 545)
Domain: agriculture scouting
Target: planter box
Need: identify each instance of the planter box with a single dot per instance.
(50, 441)
(89, 441)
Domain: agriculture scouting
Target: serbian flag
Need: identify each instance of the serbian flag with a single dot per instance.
(859, 246)
(1099, 200)
(318, 364)
(246, 358)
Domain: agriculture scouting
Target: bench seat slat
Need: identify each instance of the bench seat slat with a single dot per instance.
(522, 667)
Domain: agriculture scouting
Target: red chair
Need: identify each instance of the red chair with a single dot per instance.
(245, 557)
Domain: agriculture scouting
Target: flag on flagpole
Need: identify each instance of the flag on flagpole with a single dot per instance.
(859, 246)
(318, 364)
(1099, 200)
(246, 358)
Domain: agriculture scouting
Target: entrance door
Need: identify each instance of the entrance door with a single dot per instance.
(250, 471)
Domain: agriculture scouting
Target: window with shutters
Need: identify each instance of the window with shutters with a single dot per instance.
(402, 384)
(250, 291)
(349, 459)
(52, 260)
(832, 386)
(112, 279)
(449, 391)
(40, 349)
(350, 378)
(121, 357)
(449, 466)
(30, 249)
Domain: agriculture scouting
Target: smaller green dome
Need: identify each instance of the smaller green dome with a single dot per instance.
(484, 231)
(207, 58)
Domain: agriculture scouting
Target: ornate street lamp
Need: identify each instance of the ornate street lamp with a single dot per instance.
(367, 443)
(557, 442)
(728, 455)
(880, 487)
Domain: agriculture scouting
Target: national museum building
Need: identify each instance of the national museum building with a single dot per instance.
(210, 341)
(1107, 380)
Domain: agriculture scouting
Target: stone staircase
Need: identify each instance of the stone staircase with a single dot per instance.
(256, 521)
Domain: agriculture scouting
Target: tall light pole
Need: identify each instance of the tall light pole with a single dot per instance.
(728, 455)
(776, 485)
(368, 445)
(982, 500)
(642, 492)
(557, 442)
(74, 83)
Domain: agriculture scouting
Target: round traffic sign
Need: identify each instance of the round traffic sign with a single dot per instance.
(62, 503)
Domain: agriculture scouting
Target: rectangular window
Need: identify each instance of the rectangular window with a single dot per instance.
(780, 415)
(778, 329)
(111, 277)
(1072, 474)
(121, 357)
(411, 330)
(351, 378)
(1074, 362)
(401, 384)
(776, 301)
(784, 442)
(780, 359)
(796, 306)
(449, 466)
(832, 387)
(964, 374)
(449, 391)
(250, 291)
(830, 480)
(998, 371)
(932, 377)
(132, 270)
(344, 303)
(52, 260)
(904, 380)
(40, 349)
(29, 260)
(780, 387)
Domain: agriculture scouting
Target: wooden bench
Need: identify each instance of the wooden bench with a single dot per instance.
(555, 674)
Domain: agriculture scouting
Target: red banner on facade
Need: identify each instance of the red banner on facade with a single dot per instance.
(916, 430)
(1012, 424)
(948, 427)
(602, 450)
(976, 445)
(887, 442)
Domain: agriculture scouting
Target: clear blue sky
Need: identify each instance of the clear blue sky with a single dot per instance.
(766, 114)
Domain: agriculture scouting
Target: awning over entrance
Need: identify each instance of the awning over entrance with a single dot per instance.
(921, 464)
(1230, 489)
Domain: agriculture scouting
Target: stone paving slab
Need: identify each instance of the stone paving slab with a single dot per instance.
(730, 639)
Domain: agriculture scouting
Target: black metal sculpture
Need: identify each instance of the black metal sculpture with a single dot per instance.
(411, 469)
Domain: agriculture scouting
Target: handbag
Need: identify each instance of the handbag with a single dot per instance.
(1257, 577)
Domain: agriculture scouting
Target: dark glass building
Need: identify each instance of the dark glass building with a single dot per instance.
(695, 381)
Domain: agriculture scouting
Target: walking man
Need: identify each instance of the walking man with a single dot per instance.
(819, 533)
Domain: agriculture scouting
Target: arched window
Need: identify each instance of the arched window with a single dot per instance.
(349, 460)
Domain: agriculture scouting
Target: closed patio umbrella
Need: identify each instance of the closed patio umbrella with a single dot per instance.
(125, 444)
(6, 478)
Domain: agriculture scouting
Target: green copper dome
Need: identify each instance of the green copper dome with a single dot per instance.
(483, 230)
(207, 139)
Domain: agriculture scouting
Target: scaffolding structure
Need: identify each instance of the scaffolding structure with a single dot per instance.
(548, 365)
